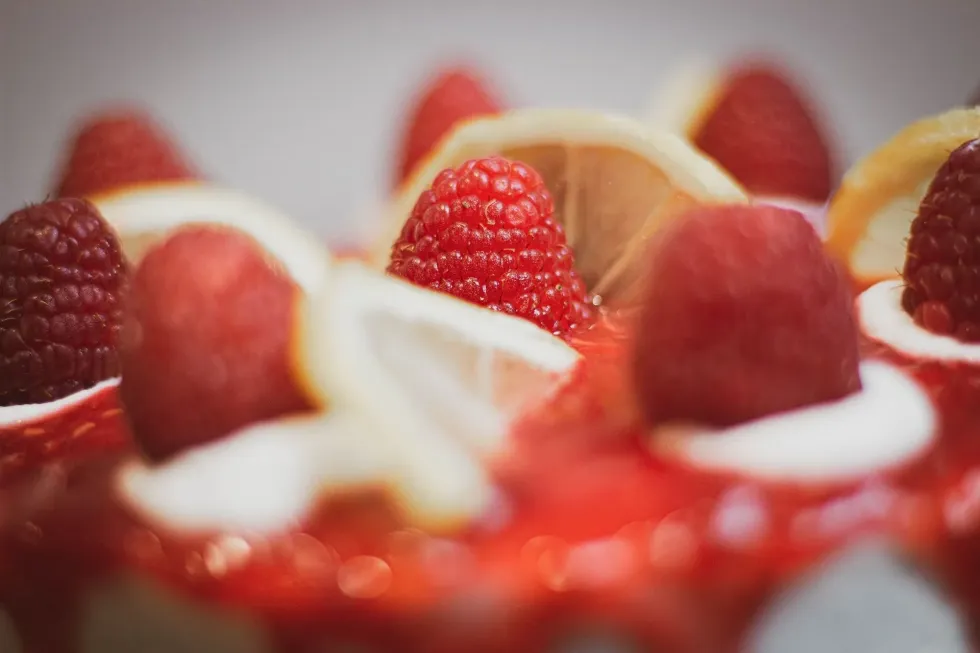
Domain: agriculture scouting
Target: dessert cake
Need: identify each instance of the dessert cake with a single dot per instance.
(586, 385)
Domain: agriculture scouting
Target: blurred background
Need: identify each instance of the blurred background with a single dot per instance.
(300, 101)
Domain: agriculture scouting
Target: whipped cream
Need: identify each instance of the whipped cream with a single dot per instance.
(265, 477)
(883, 319)
(22, 415)
(889, 422)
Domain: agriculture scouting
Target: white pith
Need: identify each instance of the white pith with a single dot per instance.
(153, 211)
(23, 415)
(884, 320)
(888, 423)
(435, 378)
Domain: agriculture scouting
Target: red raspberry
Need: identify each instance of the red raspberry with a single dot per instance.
(120, 149)
(485, 232)
(61, 274)
(942, 264)
(206, 343)
(453, 96)
(766, 135)
(745, 316)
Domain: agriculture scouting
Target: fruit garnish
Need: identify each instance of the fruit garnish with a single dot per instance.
(454, 95)
(942, 282)
(745, 315)
(207, 340)
(613, 181)
(757, 123)
(436, 378)
(145, 216)
(61, 275)
(485, 232)
(119, 149)
(871, 214)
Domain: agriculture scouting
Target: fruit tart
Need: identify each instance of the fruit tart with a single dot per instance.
(472, 449)
(925, 319)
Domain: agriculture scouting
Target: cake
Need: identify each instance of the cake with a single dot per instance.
(583, 388)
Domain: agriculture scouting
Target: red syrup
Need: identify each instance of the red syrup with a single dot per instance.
(593, 532)
(943, 536)
(79, 429)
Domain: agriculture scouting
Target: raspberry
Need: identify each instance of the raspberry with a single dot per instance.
(485, 232)
(61, 274)
(745, 315)
(942, 262)
(454, 95)
(206, 347)
(120, 149)
(764, 133)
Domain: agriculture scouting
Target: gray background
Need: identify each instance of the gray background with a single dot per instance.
(299, 103)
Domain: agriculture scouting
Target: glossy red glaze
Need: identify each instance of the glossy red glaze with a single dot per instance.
(84, 428)
(595, 531)
(945, 533)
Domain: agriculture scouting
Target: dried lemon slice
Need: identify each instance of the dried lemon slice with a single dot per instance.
(436, 381)
(870, 216)
(614, 180)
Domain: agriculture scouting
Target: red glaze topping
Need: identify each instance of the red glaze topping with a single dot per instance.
(594, 529)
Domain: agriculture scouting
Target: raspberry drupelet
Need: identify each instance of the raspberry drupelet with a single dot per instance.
(485, 232)
(942, 265)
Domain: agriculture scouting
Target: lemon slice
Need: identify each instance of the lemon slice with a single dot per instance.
(437, 380)
(143, 216)
(870, 216)
(614, 181)
(686, 98)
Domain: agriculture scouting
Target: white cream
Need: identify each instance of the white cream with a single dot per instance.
(143, 215)
(887, 423)
(263, 478)
(28, 413)
(883, 319)
(130, 614)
